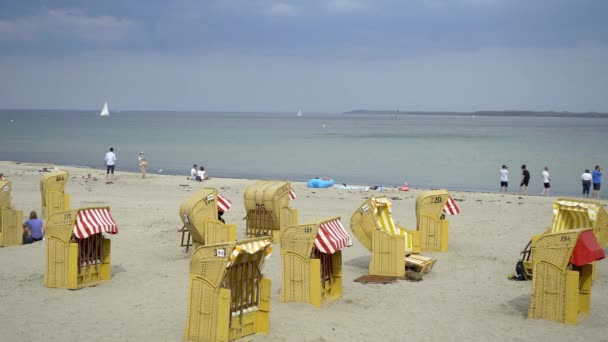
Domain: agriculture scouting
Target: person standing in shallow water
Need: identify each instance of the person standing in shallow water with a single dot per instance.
(525, 180)
(504, 178)
(597, 181)
(586, 180)
(546, 182)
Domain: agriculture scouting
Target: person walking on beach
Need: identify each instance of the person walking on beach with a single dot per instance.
(525, 180)
(143, 163)
(546, 182)
(33, 229)
(596, 176)
(586, 179)
(110, 161)
(504, 178)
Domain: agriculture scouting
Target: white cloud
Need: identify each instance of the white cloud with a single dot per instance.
(281, 9)
(347, 5)
(67, 24)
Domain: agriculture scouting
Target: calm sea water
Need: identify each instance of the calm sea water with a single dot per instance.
(458, 153)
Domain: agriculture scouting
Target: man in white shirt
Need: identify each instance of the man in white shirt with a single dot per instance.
(193, 172)
(504, 178)
(110, 161)
(546, 180)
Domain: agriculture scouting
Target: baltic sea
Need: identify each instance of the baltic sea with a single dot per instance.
(427, 151)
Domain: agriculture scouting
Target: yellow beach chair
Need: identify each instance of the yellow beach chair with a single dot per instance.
(52, 191)
(199, 214)
(11, 220)
(312, 262)
(431, 207)
(571, 213)
(77, 253)
(267, 208)
(562, 263)
(390, 244)
(228, 296)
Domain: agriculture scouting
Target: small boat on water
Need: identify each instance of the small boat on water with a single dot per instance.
(299, 113)
(104, 110)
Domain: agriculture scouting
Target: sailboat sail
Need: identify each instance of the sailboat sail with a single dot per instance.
(299, 113)
(104, 110)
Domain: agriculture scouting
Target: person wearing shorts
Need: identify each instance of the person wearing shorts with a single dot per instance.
(525, 180)
(504, 178)
(110, 161)
(596, 176)
(546, 182)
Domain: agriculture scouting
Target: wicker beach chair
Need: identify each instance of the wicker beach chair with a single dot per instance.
(431, 224)
(391, 245)
(52, 191)
(563, 272)
(228, 296)
(11, 231)
(200, 217)
(77, 252)
(570, 213)
(311, 259)
(267, 208)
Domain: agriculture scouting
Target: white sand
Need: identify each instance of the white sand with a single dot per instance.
(466, 296)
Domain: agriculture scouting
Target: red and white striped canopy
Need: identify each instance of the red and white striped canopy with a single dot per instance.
(93, 221)
(450, 207)
(332, 237)
(223, 204)
(292, 194)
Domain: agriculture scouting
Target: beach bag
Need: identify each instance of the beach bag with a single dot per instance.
(520, 272)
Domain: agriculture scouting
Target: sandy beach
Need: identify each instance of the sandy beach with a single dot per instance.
(466, 296)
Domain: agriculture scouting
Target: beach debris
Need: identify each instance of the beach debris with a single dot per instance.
(396, 198)
(376, 279)
(413, 276)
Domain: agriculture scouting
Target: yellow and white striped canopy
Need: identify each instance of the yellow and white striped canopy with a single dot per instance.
(573, 215)
(250, 248)
(382, 206)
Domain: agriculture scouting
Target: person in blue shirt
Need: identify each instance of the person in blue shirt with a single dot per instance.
(33, 229)
(596, 176)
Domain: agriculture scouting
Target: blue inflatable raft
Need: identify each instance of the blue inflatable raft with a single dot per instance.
(320, 183)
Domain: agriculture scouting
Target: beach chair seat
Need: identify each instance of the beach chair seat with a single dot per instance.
(11, 229)
(267, 209)
(563, 273)
(52, 191)
(391, 245)
(200, 218)
(228, 296)
(77, 252)
(571, 213)
(311, 258)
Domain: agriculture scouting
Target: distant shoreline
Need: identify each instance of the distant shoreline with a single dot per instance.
(515, 113)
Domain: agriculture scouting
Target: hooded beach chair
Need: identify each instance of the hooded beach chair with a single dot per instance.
(267, 208)
(11, 220)
(562, 267)
(200, 216)
(77, 252)
(571, 213)
(390, 244)
(228, 296)
(52, 191)
(431, 224)
(311, 259)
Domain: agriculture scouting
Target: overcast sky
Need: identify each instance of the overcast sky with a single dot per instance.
(314, 55)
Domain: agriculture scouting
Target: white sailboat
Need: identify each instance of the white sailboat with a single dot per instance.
(104, 110)
(299, 113)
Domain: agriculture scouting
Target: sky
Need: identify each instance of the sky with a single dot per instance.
(315, 55)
